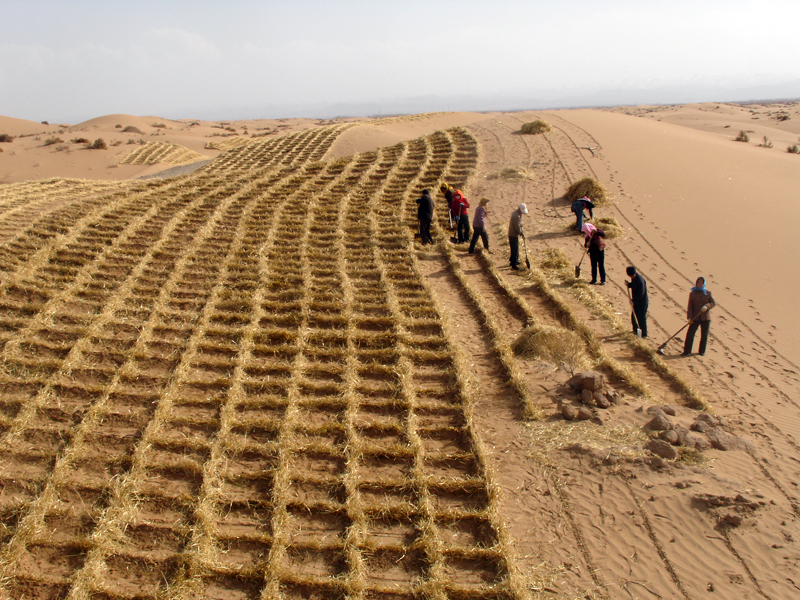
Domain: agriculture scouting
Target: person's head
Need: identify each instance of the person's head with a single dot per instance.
(444, 187)
(484, 201)
(523, 210)
(457, 195)
(631, 271)
(426, 192)
(701, 281)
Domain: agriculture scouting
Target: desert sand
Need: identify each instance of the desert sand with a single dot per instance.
(582, 509)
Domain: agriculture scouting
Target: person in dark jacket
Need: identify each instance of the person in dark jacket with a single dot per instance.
(639, 300)
(460, 209)
(578, 207)
(597, 253)
(700, 302)
(425, 216)
(448, 191)
(514, 232)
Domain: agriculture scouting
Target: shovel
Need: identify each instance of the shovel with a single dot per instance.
(664, 345)
(525, 244)
(578, 266)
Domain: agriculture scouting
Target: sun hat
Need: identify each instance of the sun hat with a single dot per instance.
(523, 209)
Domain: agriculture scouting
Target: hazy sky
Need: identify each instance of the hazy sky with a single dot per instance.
(72, 60)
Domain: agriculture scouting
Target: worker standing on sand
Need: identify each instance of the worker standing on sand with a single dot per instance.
(639, 300)
(514, 231)
(597, 252)
(700, 302)
(461, 210)
(578, 207)
(479, 227)
(425, 216)
(447, 190)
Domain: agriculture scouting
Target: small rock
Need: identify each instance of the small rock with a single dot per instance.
(724, 441)
(655, 410)
(612, 396)
(662, 449)
(655, 462)
(601, 400)
(732, 520)
(569, 412)
(682, 485)
(612, 459)
(670, 436)
(659, 423)
(704, 421)
(597, 420)
(669, 410)
(587, 380)
(584, 413)
(689, 439)
(587, 397)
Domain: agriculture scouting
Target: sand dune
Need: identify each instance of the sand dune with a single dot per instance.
(583, 509)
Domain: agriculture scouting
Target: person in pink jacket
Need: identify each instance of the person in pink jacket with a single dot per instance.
(460, 211)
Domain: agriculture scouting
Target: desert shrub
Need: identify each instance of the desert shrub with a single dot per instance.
(79, 140)
(159, 125)
(766, 143)
(116, 143)
(793, 149)
(742, 137)
(534, 127)
(132, 129)
(610, 227)
(98, 144)
(783, 117)
(53, 140)
(553, 344)
(118, 126)
(590, 188)
(4, 137)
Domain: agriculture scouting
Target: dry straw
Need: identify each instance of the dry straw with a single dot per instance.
(590, 188)
(553, 344)
(534, 127)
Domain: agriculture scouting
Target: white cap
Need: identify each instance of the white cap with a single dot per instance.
(523, 209)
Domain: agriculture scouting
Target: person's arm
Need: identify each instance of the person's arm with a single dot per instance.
(710, 304)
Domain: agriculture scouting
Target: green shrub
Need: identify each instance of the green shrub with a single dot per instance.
(793, 149)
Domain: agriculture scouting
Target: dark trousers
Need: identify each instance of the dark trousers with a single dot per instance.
(476, 233)
(639, 317)
(598, 262)
(463, 228)
(704, 326)
(513, 243)
(425, 231)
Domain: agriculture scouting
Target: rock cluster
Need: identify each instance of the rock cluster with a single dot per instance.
(677, 435)
(592, 393)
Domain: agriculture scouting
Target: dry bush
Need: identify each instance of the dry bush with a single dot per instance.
(554, 259)
(132, 129)
(610, 227)
(511, 173)
(766, 143)
(534, 127)
(591, 188)
(554, 344)
(547, 438)
(52, 141)
(159, 125)
(793, 149)
(79, 140)
(742, 137)
(4, 137)
(98, 144)
(783, 117)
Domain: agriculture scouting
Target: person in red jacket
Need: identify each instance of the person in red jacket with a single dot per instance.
(460, 210)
